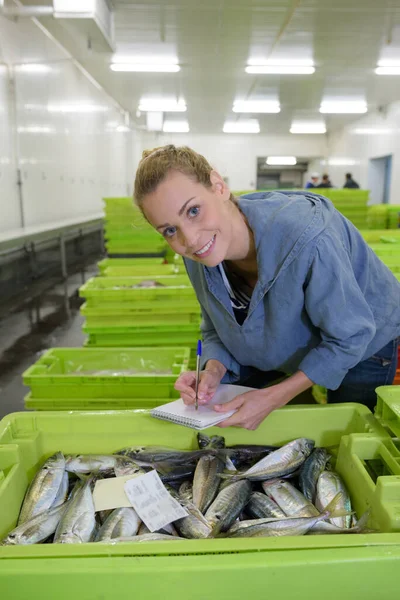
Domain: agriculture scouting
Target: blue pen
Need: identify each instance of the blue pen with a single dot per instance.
(196, 402)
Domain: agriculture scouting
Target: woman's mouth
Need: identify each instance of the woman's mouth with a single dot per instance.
(207, 249)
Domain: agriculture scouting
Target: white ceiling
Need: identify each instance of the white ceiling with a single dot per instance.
(213, 40)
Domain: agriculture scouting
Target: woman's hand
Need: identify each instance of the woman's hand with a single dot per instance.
(210, 379)
(253, 407)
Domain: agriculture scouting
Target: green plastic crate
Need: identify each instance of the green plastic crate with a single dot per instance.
(130, 337)
(105, 263)
(148, 316)
(387, 409)
(385, 236)
(100, 291)
(135, 247)
(77, 403)
(365, 566)
(144, 270)
(101, 373)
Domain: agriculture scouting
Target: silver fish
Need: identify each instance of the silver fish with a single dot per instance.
(324, 527)
(89, 463)
(122, 522)
(44, 488)
(277, 464)
(186, 491)
(228, 505)
(328, 485)
(37, 529)
(62, 491)
(194, 526)
(147, 537)
(147, 456)
(215, 441)
(206, 481)
(283, 527)
(261, 506)
(166, 530)
(310, 470)
(126, 466)
(78, 522)
(292, 502)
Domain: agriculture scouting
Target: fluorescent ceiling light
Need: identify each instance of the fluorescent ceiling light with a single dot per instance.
(268, 69)
(308, 127)
(74, 6)
(162, 106)
(249, 126)
(281, 160)
(36, 129)
(343, 107)
(176, 127)
(256, 106)
(33, 68)
(339, 162)
(122, 128)
(76, 108)
(394, 70)
(145, 67)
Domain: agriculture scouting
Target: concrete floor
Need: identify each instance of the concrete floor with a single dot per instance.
(22, 342)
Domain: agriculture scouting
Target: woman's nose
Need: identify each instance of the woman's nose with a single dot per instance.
(188, 239)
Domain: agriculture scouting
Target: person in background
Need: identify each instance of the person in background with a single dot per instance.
(325, 183)
(313, 182)
(350, 183)
(286, 284)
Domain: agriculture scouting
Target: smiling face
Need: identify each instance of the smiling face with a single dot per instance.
(195, 220)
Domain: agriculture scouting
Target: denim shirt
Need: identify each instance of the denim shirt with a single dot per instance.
(323, 301)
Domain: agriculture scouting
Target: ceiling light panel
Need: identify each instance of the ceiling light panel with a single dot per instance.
(281, 161)
(343, 107)
(256, 106)
(279, 70)
(145, 68)
(158, 105)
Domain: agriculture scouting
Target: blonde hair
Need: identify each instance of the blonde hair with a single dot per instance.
(157, 163)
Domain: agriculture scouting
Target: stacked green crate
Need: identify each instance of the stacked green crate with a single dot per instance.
(127, 231)
(130, 267)
(141, 311)
(383, 236)
(393, 216)
(378, 216)
(100, 378)
(353, 204)
(366, 455)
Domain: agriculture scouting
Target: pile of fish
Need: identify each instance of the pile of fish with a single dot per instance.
(234, 491)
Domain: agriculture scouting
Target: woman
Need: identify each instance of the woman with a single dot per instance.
(285, 283)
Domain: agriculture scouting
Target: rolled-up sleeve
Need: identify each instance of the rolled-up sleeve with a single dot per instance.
(335, 305)
(213, 348)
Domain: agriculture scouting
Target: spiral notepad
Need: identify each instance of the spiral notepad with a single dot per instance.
(177, 412)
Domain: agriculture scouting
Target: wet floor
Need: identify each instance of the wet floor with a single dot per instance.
(23, 339)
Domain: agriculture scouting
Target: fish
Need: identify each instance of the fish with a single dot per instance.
(166, 530)
(194, 526)
(243, 454)
(279, 463)
(37, 529)
(186, 491)
(147, 537)
(261, 506)
(44, 488)
(90, 463)
(122, 522)
(227, 506)
(62, 491)
(148, 456)
(292, 502)
(206, 481)
(126, 466)
(174, 473)
(215, 441)
(326, 528)
(310, 470)
(229, 468)
(284, 527)
(78, 522)
(328, 485)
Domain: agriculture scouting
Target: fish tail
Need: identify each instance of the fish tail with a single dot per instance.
(333, 510)
(361, 523)
(229, 475)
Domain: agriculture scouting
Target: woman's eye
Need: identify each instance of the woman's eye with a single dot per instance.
(193, 211)
(169, 232)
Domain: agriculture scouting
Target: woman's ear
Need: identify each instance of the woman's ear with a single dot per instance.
(218, 185)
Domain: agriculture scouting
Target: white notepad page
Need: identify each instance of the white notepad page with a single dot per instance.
(177, 412)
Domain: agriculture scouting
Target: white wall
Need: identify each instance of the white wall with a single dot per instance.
(235, 156)
(372, 136)
(68, 161)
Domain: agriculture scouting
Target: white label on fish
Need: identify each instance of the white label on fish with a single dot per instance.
(152, 501)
